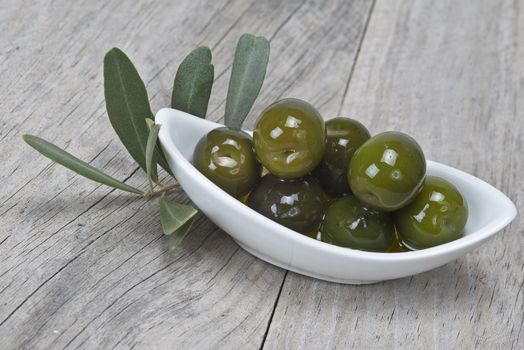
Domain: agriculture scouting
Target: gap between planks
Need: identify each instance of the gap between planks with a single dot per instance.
(350, 75)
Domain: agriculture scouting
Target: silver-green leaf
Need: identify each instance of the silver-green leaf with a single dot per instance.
(193, 83)
(71, 162)
(174, 215)
(127, 105)
(247, 76)
(181, 233)
(152, 175)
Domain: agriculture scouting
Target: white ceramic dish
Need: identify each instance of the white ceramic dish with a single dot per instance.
(489, 211)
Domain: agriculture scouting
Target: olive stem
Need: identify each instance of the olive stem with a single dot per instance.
(160, 189)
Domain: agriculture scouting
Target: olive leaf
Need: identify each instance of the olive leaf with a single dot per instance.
(80, 167)
(150, 149)
(127, 106)
(247, 76)
(193, 83)
(150, 123)
(181, 233)
(174, 215)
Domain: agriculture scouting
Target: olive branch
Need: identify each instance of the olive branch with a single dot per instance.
(130, 115)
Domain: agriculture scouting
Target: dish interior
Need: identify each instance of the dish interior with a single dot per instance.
(489, 209)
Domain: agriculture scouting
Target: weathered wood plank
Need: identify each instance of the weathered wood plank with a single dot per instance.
(450, 73)
(86, 267)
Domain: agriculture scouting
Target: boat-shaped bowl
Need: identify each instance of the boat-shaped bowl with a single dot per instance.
(489, 212)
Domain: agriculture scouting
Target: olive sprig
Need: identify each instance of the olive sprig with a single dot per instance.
(130, 115)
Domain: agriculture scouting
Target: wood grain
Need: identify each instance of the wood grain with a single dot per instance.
(452, 75)
(83, 266)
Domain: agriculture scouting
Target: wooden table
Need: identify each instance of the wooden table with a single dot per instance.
(83, 266)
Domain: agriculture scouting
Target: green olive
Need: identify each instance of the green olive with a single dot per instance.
(226, 157)
(349, 224)
(289, 138)
(436, 216)
(388, 171)
(295, 203)
(343, 137)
